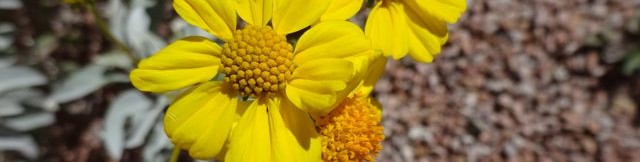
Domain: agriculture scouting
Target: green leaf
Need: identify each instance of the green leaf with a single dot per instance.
(632, 63)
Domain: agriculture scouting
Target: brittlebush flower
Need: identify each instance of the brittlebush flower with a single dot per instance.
(261, 110)
(352, 131)
(416, 27)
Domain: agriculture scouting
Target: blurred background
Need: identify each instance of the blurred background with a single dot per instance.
(519, 80)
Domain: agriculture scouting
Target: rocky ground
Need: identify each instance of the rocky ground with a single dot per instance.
(520, 81)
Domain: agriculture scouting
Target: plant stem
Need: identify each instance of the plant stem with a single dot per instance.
(102, 25)
(175, 154)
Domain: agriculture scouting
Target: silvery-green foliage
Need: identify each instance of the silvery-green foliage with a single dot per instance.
(10, 108)
(131, 108)
(10, 4)
(23, 144)
(129, 105)
(30, 97)
(158, 149)
(131, 24)
(6, 62)
(84, 81)
(114, 58)
(6, 37)
(19, 77)
(15, 83)
(29, 121)
(133, 120)
(17, 117)
(145, 122)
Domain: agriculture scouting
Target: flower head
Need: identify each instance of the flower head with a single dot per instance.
(416, 27)
(261, 110)
(352, 131)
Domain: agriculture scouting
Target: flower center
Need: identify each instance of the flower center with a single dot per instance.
(257, 62)
(351, 131)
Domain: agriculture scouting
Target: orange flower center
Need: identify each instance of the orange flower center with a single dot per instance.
(257, 62)
(351, 131)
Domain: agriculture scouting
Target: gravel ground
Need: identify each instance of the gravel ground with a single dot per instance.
(520, 81)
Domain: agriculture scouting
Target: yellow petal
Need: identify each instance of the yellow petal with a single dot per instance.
(293, 133)
(185, 62)
(255, 12)
(427, 36)
(292, 15)
(323, 75)
(342, 9)
(331, 39)
(319, 85)
(337, 39)
(218, 17)
(447, 10)
(200, 120)
(374, 71)
(318, 104)
(387, 28)
(250, 140)
(423, 45)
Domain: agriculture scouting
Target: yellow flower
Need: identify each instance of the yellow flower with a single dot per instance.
(417, 27)
(351, 131)
(281, 85)
(341, 9)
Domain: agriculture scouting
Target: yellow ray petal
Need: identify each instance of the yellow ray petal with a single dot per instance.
(427, 36)
(200, 120)
(250, 140)
(417, 17)
(373, 74)
(218, 17)
(331, 39)
(185, 62)
(336, 39)
(387, 28)
(447, 10)
(255, 12)
(292, 15)
(423, 46)
(325, 71)
(293, 133)
(319, 85)
(315, 103)
(342, 9)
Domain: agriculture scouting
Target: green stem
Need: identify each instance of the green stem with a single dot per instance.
(371, 3)
(174, 155)
(102, 25)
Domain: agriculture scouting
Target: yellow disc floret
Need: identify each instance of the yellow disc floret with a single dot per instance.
(257, 62)
(351, 131)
